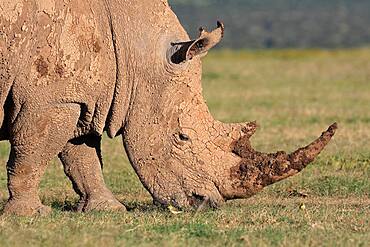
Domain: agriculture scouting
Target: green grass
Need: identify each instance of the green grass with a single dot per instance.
(294, 95)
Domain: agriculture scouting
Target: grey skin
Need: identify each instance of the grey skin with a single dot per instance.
(71, 70)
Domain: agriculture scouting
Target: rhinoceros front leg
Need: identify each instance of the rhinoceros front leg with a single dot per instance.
(36, 137)
(24, 175)
(83, 166)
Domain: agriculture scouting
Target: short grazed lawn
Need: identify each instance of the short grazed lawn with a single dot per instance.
(294, 95)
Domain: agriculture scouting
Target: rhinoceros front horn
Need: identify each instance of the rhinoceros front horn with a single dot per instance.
(257, 170)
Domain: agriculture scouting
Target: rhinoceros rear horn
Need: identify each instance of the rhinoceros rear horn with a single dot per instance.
(186, 51)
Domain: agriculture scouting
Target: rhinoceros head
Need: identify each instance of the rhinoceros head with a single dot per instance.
(182, 155)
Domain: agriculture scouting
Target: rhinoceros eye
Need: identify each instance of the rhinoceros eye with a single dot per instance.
(184, 137)
(181, 140)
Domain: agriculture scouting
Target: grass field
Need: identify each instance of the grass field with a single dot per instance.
(294, 95)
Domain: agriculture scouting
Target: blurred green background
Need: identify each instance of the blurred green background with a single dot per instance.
(280, 23)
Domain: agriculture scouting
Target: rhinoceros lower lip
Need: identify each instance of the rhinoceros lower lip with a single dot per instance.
(200, 202)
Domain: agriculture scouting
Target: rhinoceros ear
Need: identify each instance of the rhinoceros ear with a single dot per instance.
(185, 51)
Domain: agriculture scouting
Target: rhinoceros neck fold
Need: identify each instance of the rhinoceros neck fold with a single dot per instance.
(123, 84)
(141, 32)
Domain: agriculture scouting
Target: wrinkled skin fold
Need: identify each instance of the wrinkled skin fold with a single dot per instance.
(71, 70)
